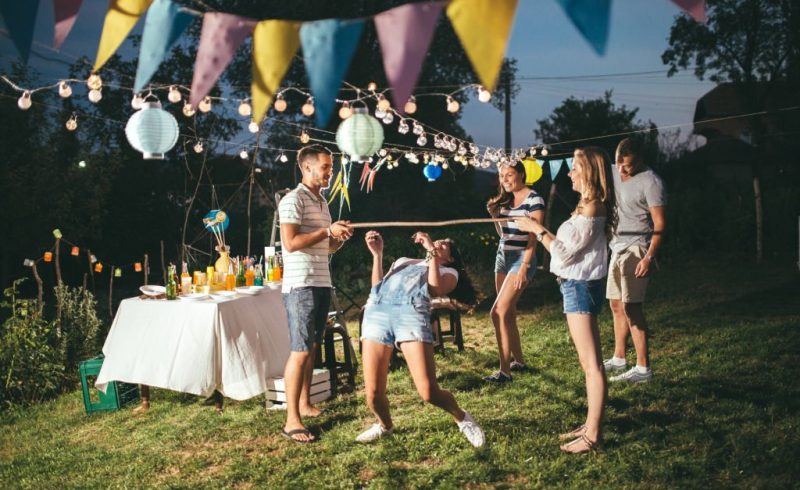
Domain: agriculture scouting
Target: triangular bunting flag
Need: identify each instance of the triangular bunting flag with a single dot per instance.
(695, 8)
(221, 36)
(165, 22)
(274, 44)
(328, 48)
(405, 33)
(122, 15)
(569, 161)
(65, 12)
(483, 26)
(20, 18)
(555, 167)
(591, 19)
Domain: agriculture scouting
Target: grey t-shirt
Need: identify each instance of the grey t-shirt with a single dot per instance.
(635, 197)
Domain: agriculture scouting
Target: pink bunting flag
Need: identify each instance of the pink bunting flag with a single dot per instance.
(221, 36)
(405, 34)
(65, 13)
(695, 8)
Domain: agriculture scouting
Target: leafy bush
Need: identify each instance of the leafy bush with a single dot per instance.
(29, 364)
(78, 329)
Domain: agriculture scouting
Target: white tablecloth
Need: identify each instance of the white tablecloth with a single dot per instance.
(230, 345)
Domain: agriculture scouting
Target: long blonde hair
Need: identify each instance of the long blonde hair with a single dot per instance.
(597, 182)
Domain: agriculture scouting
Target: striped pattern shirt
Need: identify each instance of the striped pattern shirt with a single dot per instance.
(309, 266)
(512, 238)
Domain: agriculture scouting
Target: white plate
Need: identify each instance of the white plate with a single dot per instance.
(153, 290)
(273, 284)
(250, 289)
(223, 294)
(194, 297)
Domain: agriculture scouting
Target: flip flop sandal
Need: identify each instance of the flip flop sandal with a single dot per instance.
(577, 432)
(591, 446)
(291, 433)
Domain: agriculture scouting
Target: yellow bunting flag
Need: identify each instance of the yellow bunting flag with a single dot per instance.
(122, 15)
(274, 44)
(483, 26)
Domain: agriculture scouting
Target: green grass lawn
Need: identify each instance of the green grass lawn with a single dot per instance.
(721, 411)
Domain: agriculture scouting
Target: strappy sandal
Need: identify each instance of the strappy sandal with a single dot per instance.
(576, 432)
(591, 446)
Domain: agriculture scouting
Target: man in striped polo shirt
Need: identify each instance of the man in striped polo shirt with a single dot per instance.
(307, 238)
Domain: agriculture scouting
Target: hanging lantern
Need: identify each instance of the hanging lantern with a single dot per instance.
(533, 172)
(432, 172)
(76, 251)
(137, 267)
(48, 256)
(152, 131)
(360, 135)
(98, 267)
(117, 272)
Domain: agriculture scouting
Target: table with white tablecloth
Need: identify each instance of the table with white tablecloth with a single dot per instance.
(229, 345)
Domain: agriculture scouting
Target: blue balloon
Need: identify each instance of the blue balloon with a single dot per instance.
(216, 220)
(432, 172)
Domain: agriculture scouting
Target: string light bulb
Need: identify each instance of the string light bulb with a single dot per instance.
(308, 107)
(545, 151)
(283, 158)
(345, 111)
(280, 103)
(95, 95)
(82, 164)
(388, 118)
(174, 94)
(422, 140)
(418, 130)
(137, 101)
(205, 104)
(402, 128)
(452, 104)
(304, 137)
(253, 127)
(187, 110)
(64, 90)
(245, 109)
(24, 101)
(372, 86)
(243, 154)
(411, 105)
(383, 152)
(94, 82)
(198, 147)
(484, 95)
(383, 103)
(72, 123)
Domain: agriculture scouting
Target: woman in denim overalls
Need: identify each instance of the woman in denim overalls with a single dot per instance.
(398, 315)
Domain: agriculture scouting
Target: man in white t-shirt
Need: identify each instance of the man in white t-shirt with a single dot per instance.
(641, 201)
(307, 238)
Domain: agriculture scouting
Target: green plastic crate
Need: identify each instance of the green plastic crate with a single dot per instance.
(117, 394)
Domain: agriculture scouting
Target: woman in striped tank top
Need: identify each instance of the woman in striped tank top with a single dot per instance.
(515, 264)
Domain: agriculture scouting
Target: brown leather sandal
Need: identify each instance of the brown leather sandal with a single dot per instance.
(591, 446)
(578, 431)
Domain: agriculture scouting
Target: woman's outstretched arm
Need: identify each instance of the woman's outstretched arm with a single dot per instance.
(375, 246)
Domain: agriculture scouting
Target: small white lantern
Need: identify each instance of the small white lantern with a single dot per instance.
(152, 131)
(360, 135)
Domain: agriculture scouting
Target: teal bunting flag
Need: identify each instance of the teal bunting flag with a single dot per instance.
(591, 18)
(164, 24)
(569, 161)
(328, 48)
(555, 168)
(20, 19)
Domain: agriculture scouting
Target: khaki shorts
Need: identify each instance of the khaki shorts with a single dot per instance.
(622, 281)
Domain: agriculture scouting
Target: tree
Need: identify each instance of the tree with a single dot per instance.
(747, 42)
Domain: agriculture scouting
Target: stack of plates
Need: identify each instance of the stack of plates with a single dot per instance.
(194, 297)
(153, 290)
(249, 289)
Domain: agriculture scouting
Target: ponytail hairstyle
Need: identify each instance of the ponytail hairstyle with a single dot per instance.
(464, 291)
(597, 182)
(505, 199)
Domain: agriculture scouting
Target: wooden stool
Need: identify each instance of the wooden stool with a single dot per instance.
(452, 308)
(347, 366)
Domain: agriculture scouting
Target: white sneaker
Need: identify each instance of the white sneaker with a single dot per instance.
(614, 364)
(374, 433)
(633, 375)
(471, 430)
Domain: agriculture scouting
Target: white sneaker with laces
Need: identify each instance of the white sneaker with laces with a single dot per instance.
(614, 364)
(633, 375)
(471, 430)
(374, 433)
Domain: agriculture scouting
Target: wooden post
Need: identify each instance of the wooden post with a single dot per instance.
(146, 268)
(110, 293)
(58, 261)
(39, 287)
(85, 280)
(163, 266)
(548, 218)
(91, 273)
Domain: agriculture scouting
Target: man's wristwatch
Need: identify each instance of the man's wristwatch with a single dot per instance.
(330, 233)
(540, 236)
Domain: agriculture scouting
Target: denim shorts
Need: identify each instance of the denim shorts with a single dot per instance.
(307, 310)
(584, 297)
(508, 261)
(391, 324)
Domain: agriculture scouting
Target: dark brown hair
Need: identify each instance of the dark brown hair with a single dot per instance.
(631, 147)
(505, 199)
(310, 151)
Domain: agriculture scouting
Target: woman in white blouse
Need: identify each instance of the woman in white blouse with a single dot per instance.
(580, 262)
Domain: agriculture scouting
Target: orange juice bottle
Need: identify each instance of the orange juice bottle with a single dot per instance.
(230, 279)
(249, 276)
(186, 281)
(277, 274)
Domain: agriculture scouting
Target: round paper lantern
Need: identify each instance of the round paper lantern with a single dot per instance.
(432, 172)
(152, 131)
(533, 172)
(216, 221)
(360, 135)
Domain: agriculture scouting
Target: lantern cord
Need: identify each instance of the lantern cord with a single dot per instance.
(411, 224)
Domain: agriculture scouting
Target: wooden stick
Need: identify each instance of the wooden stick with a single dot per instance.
(146, 268)
(111, 294)
(58, 262)
(89, 260)
(414, 224)
(40, 289)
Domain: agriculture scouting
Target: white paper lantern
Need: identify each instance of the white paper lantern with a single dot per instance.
(360, 135)
(152, 131)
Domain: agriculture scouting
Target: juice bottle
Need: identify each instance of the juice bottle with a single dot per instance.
(249, 276)
(230, 278)
(259, 279)
(186, 281)
(172, 284)
(278, 272)
(240, 280)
